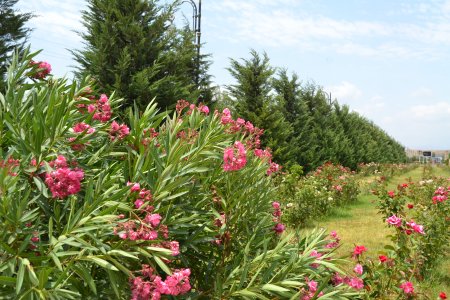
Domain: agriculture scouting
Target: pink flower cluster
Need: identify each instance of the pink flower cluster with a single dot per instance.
(273, 168)
(118, 131)
(182, 104)
(411, 226)
(44, 68)
(81, 128)
(318, 256)
(148, 225)
(246, 127)
(279, 227)
(338, 187)
(353, 282)
(414, 227)
(440, 195)
(151, 286)
(263, 154)
(10, 164)
(63, 181)
(407, 287)
(101, 109)
(335, 240)
(266, 154)
(148, 136)
(312, 289)
(234, 158)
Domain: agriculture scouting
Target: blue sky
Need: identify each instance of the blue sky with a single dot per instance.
(388, 60)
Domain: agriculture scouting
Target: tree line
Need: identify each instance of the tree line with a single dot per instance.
(132, 47)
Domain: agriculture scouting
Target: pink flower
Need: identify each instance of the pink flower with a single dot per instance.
(176, 284)
(407, 287)
(356, 283)
(240, 122)
(226, 117)
(358, 250)
(358, 269)
(118, 131)
(175, 248)
(44, 68)
(59, 162)
(276, 205)
(153, 219)
(83, 127)
(318, 256)
(234, 158)
(204, 109)
(394, 220)
(135, 186)
(273, 168)
(312, 285)
(391, 194)
(101, 109)
(279, 228)
(417, 228)
(138, 203)
(63, 181)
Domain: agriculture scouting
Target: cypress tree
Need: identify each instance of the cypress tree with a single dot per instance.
(13, 34)
(132, 48)
(255, 103)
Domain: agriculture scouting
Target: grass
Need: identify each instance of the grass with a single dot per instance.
(360, 224)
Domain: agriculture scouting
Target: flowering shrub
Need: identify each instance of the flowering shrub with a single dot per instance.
(418, 212)
(316, 194)
(146, 207)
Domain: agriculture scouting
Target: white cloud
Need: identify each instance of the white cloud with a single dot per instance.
(437, 111)
(257, 21)
(345, 91)
(422, 93)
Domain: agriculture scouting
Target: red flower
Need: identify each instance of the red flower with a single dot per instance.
(410, 205)
(358, 250)
(442, 295)
(382, 258)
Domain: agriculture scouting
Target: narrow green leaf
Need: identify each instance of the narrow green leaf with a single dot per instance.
(101, 262)
(20, 276)
(162, 265)
(274, 288)
(122, 253)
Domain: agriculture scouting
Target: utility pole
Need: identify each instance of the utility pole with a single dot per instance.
(196, 27)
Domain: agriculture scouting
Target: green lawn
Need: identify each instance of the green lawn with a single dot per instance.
(360, 224)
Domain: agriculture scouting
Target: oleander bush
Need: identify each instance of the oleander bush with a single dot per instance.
(154, 205)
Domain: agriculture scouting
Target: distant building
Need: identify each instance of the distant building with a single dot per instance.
(434, 156)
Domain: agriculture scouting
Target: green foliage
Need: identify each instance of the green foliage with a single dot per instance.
(13, 35)
(131, 48)
(420, 240)
(87, 244)
(302, 126)
(254, 102)
(316, 194)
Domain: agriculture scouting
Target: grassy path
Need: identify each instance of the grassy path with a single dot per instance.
(361, 224)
